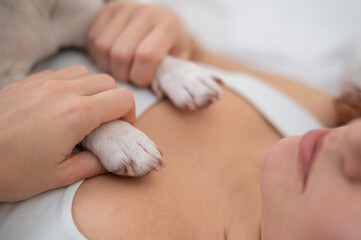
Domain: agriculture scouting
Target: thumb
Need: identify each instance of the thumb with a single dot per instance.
(79, 166)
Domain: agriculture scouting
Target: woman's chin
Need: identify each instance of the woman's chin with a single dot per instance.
(280, 162)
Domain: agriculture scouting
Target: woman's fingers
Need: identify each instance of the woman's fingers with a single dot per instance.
(125, 46)
(114, 104)
(92, 84)
(129, 40)
(70, 73)
(102, 20)
(102, 44)
(165, 38)
(149, 54)
(98, 26)
(78, 166)
(39, 75)
(108, 102)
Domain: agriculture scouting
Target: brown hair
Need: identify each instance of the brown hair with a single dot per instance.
(348, 105)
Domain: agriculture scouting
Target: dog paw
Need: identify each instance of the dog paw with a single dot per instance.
(123, 149)
(185, 84)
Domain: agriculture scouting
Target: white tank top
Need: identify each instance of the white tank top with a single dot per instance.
(48, 216)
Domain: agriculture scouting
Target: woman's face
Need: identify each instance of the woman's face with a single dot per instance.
(311, 186)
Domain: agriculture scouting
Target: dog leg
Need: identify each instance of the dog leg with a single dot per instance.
(185, 84)
(123, 149)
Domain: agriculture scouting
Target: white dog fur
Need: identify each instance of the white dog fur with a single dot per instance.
(31, 30)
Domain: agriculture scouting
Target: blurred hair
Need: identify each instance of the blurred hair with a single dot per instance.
(348, 105)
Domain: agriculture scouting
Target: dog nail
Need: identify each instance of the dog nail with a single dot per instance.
(214, 99)
(218, 80)
(120, 171)
(130, 170)
(161, 163)
(157, 168)
(191, 106)
(160, 152)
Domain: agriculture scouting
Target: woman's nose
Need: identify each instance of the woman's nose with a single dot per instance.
(352, 150)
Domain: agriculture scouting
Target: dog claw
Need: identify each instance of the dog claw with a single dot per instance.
(160, 152)
(213, 99)
(130, 170)
(191, 106)
(218, 80)
(161, 163)
(120, 172)
(157, 168)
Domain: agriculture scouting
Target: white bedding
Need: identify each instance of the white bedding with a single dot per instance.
(305, 39)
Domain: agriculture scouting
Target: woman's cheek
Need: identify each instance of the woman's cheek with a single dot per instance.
(280, 184)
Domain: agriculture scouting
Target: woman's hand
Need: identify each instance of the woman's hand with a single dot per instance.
(129, 40)
(43, 117)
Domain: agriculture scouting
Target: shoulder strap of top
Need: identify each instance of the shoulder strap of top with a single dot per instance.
(283, 113)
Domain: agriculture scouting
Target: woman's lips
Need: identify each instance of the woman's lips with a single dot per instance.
(307, 150)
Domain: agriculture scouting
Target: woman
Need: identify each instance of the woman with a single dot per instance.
(211, 186)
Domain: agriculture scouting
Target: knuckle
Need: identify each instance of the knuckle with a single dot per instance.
(170, 20)
(54, 86)
(91, 38)
(127, 5)
(128, 95)
(121, 54)
(147, 55)
(82, 69)
(147, 9)
(113, 4)
(141, 80)
(108, 79)
(102, 45)
(77, 108)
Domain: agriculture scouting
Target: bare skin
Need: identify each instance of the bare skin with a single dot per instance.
(210, 188)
